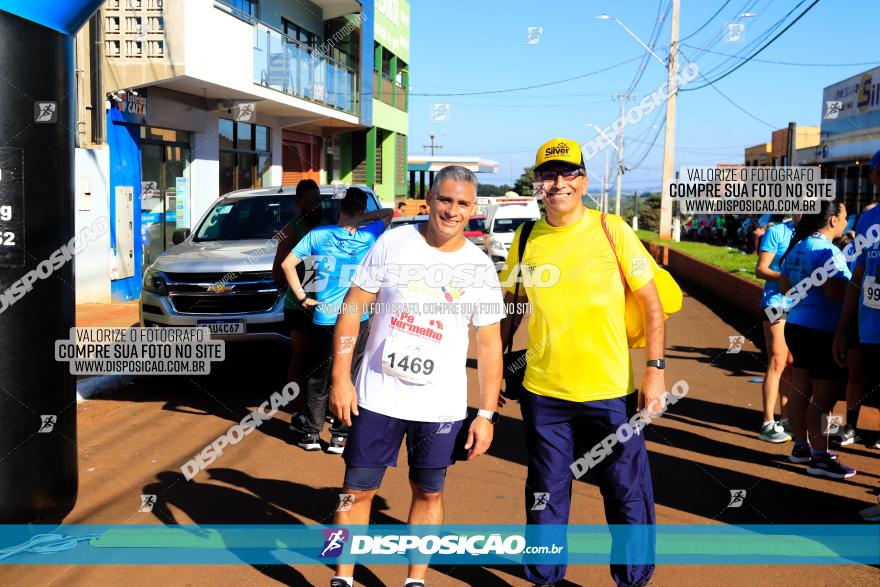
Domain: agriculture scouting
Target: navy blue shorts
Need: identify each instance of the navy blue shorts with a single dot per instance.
(374, 441)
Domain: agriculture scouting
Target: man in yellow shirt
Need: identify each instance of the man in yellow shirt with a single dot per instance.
(578, 380)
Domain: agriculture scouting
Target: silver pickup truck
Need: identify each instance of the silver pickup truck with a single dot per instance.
(220, 275)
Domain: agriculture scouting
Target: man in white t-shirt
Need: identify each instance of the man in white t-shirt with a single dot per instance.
(427, 284)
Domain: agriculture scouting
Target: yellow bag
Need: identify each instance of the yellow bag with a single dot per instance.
(669, 292)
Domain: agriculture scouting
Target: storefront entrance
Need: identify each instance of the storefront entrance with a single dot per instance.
(165, 194)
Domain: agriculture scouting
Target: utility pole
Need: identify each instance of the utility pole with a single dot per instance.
(666, 232)
(636, 210)
(623, 98)
(791, 155)
(432, 146)
(604, 204)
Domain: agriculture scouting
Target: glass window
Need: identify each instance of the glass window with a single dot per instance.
(477, 224)
(247, 218)
(243, 139)
(262, 138)
(506, 225)
(227, 172)
(248, 7)
(226, 137)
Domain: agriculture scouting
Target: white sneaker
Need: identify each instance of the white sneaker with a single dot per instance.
(772, 432)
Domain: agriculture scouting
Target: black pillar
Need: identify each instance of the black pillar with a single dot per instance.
(38, 468)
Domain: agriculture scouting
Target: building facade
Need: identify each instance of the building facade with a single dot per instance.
(182, 101)
(850, 135)
(376, 155)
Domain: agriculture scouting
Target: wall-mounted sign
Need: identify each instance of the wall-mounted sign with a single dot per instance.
(134, 108)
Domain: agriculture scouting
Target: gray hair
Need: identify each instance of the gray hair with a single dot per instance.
(455, 173)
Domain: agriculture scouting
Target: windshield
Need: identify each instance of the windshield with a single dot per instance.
(477, 224)
(260, 217)
(504, 225)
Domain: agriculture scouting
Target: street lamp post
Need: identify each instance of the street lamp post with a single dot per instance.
(666, 232)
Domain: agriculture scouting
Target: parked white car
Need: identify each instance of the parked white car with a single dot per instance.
(504, 216)
(220, 275)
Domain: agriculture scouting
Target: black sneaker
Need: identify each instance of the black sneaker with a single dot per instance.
(801, 454)
(338, 583)
(827, 465)
(414, 584)
(337, 444)
(298, 423)
(309, 442)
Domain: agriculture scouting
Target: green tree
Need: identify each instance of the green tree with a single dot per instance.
(649, 214)
(523, 185)
(486, 190)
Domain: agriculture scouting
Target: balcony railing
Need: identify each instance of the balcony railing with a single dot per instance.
(286, 65)
(389, 91)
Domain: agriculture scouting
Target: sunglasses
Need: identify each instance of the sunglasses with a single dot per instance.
(550, 175)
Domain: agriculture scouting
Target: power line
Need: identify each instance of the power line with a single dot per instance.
(544, 85)
(787, 62)
(711, 18)
(651, 146)
(652, 42)
(750, 57)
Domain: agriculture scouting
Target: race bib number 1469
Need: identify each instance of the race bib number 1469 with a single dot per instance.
(408, 363)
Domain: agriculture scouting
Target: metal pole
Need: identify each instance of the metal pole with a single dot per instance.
(636, 210)
(792, 144)
(605, 185)
(669, 140)
(622, 98)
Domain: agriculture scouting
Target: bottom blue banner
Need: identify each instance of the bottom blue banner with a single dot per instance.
(440, 545)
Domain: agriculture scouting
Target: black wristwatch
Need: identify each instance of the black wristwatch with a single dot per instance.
(658, 363)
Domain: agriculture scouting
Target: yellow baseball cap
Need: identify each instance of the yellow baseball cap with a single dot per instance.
(559, 150)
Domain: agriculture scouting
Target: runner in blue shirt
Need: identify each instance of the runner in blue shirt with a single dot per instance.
(860, 319)
(814, 276)
(777, 379)
(338, 249)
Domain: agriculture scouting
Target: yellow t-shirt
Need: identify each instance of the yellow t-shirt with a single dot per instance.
(577, 335)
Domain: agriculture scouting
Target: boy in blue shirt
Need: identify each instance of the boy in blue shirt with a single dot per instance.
(338, 249)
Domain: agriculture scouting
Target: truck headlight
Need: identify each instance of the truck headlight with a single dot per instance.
(154, 282)
(497, 244)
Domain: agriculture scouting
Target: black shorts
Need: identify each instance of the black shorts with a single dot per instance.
(298, 319)
(811, 350)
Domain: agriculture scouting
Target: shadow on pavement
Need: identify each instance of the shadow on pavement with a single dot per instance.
(257, 500)
(704, 489)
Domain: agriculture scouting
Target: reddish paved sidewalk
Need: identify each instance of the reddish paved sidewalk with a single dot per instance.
(134, 442)
(120, 314)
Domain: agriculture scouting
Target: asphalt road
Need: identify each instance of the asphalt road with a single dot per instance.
(133, 440)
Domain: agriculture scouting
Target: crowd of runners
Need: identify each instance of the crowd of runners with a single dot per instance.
(822, 302)
(384, 376)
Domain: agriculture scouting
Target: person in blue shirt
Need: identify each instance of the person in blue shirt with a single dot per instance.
(338, 249)
(777, 379)
(860, 319)
(814, 277)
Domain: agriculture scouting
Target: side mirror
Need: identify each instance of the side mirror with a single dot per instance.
(180, 235)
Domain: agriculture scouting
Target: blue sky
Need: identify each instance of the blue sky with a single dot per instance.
(480, 45)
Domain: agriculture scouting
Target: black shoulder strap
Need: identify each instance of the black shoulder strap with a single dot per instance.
(524, 234)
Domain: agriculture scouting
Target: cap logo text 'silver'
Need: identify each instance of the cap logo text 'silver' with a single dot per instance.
(560, 149)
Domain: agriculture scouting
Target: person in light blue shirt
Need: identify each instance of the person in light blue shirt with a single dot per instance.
(337, 250)
(860, 320)
(814, 276)
(777, 379)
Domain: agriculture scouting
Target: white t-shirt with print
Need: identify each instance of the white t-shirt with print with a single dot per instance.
(414, 363)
